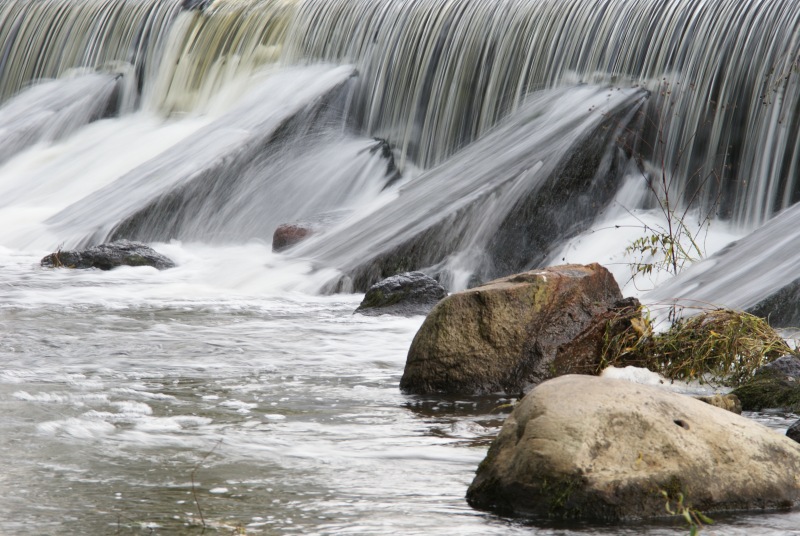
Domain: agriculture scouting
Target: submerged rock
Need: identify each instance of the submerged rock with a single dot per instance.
(729, 402)
(108, 256)
(595, 448)
(793, 432)
(503, 336)
(774, 386)
(408, 294)
(289, 234)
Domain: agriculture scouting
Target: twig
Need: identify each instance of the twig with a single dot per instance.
(194, 489)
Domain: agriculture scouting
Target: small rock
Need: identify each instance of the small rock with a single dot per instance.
(289, 234)
(108, 256)
(794, 432)
(729, 402)
(407, 294)
(774, 386)
(788, 365)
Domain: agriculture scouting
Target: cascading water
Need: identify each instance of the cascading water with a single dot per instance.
(228, 394)
(46, 39)
(53, 110)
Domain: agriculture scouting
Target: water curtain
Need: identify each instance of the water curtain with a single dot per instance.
(437, 74)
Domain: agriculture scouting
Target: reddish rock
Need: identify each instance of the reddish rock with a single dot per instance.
(289, 234)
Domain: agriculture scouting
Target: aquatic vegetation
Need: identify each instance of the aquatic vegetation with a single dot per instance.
(718, 345)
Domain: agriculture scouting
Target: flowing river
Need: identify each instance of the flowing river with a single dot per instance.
(235, 393)
(199, 399)
(144, 402)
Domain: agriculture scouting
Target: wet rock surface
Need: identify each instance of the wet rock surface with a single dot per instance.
(782, 308)
(583, 354)
(407, 294)
(289, 234)
(108, 256)
(793, 432)
(503, 336)
(788, 365)
(774, 386)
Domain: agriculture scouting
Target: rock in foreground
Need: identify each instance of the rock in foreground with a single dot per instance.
(596, 448)
(504, 335)
(407, 294)
(108, 256)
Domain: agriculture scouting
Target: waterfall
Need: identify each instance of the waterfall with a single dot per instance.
(467, 139)
(206, 50)
(218, 153)
(498, 206)
(52, 110)
(438, 74)
(47, 38)
(749, 274)
(434, 78)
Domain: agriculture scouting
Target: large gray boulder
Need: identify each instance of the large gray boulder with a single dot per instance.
(597, 448)
(108, 256)
(407, 294)
(504, 336)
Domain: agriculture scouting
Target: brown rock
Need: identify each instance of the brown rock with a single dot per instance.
(503, 336)
(289, 234)
(583, 354)
(729, 402)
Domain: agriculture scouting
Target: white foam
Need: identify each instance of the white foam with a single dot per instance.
(77, 428)
(635, 375)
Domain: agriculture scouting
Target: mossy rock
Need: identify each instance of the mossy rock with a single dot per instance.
(504, 336)
(770, 389)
